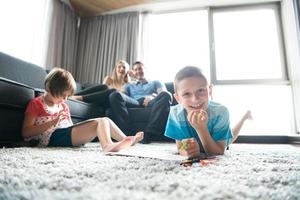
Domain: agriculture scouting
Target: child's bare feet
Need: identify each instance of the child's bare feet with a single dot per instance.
(117, 146)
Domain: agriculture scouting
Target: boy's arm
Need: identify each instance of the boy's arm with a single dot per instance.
(179, 145)
(188, 147)
(210, 146)
(199, 121)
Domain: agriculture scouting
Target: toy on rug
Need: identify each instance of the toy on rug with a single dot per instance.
(203, 160)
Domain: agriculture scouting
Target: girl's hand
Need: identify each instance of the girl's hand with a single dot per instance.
(198, 119)
(190, 148)
(59, 117)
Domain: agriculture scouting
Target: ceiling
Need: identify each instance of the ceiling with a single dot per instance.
(96, 7)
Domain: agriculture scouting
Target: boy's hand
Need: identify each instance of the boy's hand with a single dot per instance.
(198, 119)
(190, 148)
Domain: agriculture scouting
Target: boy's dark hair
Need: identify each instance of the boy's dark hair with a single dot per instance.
(186, 72)
(58, 81)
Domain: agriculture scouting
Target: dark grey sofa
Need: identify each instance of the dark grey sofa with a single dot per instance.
(20, 82)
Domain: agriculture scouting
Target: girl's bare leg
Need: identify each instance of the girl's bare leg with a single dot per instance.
(105, 131)
(104, 128)
(85, 133)
(117, 133)
(237, 128)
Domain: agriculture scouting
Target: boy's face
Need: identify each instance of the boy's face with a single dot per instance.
(193, 93)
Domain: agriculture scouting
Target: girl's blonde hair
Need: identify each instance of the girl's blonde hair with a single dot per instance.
(58, 81)
(114, 76)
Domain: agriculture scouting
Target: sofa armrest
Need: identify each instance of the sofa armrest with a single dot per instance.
(13, 101)
(38, 92)
(14, 94)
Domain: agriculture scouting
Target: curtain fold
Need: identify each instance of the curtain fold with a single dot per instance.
(102, 41)
(62, 46)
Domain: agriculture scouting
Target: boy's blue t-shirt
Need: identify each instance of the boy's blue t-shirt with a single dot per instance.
(139, 90)
(218, 125)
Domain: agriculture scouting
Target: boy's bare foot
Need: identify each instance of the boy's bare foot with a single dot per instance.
(248, 115)
(138, 137)
(117, 146)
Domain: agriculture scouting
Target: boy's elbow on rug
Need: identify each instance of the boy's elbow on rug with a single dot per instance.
(218, 152)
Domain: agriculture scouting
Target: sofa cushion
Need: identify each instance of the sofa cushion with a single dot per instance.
(81, 111)
(21, 71)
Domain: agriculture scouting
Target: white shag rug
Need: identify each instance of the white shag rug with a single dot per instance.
(246, 171)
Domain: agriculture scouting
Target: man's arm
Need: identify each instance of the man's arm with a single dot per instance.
(160, 87)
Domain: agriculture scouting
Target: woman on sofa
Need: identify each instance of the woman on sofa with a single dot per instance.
(99, 94)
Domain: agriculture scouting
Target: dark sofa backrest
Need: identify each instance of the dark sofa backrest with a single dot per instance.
(20, 71)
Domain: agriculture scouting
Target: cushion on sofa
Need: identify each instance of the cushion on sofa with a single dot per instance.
(21, 71)
(82, 111)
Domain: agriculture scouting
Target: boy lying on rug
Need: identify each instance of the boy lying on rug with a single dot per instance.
(48, 119)
(197, 123)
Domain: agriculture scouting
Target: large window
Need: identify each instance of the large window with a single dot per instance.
(241, 49)
(248, 57)
(176, 40)
(247, 44)
(24, 29)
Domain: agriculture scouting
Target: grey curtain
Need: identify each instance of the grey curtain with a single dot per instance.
(62, 46)
(102, 41)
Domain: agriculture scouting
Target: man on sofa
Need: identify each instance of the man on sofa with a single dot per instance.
(142, 93)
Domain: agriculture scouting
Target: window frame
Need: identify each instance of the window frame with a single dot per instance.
(273, 5)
